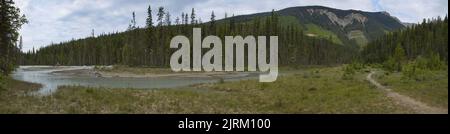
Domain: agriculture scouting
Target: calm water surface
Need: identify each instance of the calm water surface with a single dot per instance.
(50, 81)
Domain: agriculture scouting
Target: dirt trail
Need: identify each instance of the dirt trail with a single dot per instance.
(416, 106)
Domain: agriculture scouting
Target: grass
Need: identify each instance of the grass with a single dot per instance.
(322, 33)
(11, 98)
(313, 90)
(311, 29)
(433, 90)
(359, 37)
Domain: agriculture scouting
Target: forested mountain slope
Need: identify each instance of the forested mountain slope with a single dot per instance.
(149, 46)
(346, 27)
(429, 39)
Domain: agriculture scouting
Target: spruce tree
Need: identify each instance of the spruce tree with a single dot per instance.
(193, 21)
(11, 21)
(212, 24)
(399, 57)
(160, 16)
(149, 21)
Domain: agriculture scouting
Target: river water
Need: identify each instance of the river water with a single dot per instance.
(50, 81)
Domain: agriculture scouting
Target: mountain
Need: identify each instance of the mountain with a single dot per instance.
(342, 26)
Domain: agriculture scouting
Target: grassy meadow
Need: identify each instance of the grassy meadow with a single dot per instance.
(431, 88)
(304, 91)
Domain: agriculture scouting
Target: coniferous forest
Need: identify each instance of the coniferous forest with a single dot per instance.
(426, 39)
(412, 50)
(149, 46)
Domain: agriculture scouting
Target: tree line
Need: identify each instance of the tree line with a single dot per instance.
(149, 46)
(428, 39)
(417, 52)
(11, 21)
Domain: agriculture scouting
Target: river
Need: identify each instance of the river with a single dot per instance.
(46, 76)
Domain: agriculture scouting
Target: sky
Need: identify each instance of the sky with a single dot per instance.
(54, 21)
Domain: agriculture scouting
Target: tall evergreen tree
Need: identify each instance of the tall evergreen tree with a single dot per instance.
(149, 21)
(186, 19)
(182, 18)
(193, 21)
(212, 23)
(160, 15)
(132, 24)
(168, 19)
(11, 21)
(177, 21)
(399, 57)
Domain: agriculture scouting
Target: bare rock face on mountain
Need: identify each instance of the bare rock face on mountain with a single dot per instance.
(343, 22)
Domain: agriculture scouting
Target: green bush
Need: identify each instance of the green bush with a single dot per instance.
(430, 63)
(410, 70)
(392, 65)
(376, 65)
(435, 62)
(349, 72)
(419, 69)
(421, 62)
(357, 66)
(351, 69)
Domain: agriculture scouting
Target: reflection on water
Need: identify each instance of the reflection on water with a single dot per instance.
(50, 81)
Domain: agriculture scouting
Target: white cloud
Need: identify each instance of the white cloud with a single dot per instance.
(415, 10)
(62, 20)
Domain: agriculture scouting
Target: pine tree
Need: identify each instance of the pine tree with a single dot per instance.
(149, 21)
(182, 18)
(160, 15)
(11, 21)
(186, 20)
(149, 57)
(132, 24)
(399, 57)
(193, 21)
(212, 22)
(177, 21)
(168, 20)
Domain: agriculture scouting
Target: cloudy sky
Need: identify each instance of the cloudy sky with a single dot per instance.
(62, 20)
